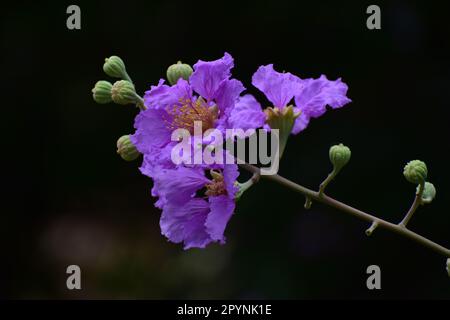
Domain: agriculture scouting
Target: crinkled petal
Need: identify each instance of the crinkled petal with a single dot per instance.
(148, 168)
(316, 94)
(186, 223)
(153, 164)
(179, 185)
(151, 130)
(222, 208)
(156, 158)
(163, 96)
(301, 122)
(208, 75)
(230, 175)
(278, 87)
(227, 95)
(247, 114)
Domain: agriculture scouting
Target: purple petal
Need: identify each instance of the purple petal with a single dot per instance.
(279, 88)
(230, 175)
(179, 185)
(163, 96)
(151, 130)
(222, 208)
(155, 162)
(316, 94)
(247, 114)
(227, 94)
(301, 122)
(208, 75)
(186, 223)
(148, 168)
(157, 158)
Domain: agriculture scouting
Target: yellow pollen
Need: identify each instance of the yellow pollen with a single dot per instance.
(216, 187)
(190, 111)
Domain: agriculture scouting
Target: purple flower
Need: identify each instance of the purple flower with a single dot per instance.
(311, 95)
(210, 97)
(196, 220)
(197, 201)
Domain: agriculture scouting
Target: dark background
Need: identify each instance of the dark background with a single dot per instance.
(69, 199)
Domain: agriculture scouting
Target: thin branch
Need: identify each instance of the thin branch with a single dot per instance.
(308, 202)
(372, 228)
(140, 102)
(414, 206)
(352, 211)
(244, 186)
(325, 183)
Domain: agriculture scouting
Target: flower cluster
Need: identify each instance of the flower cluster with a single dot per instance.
(203, 109)
(197, 201)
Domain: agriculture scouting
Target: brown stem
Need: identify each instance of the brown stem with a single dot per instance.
(352, 211)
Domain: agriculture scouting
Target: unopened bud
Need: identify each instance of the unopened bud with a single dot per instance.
(126, 149)
(429, 192)
(102, 92)
(339, 156)
(177, 71)
(123, 92)
(415, 171)
(115, 67)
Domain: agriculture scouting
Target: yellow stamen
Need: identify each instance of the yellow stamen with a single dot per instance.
(217, 186)
(190, 111)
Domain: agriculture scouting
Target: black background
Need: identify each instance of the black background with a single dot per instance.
(69, 199)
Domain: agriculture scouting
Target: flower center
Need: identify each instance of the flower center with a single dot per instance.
(216, 187)
(190, 111)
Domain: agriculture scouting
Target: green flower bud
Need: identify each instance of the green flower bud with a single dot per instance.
(177, 71)
(126, 149)
(102, 92)
(415, 171)
(123, 92)
(429, 192)
(114, 67)
(339, 156)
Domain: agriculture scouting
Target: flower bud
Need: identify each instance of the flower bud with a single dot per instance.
(177, 71)
(102, 92)
(429, 192)
(126, 149)
(114, 67)
(415, 171)
(123, 92)
(339, 156)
